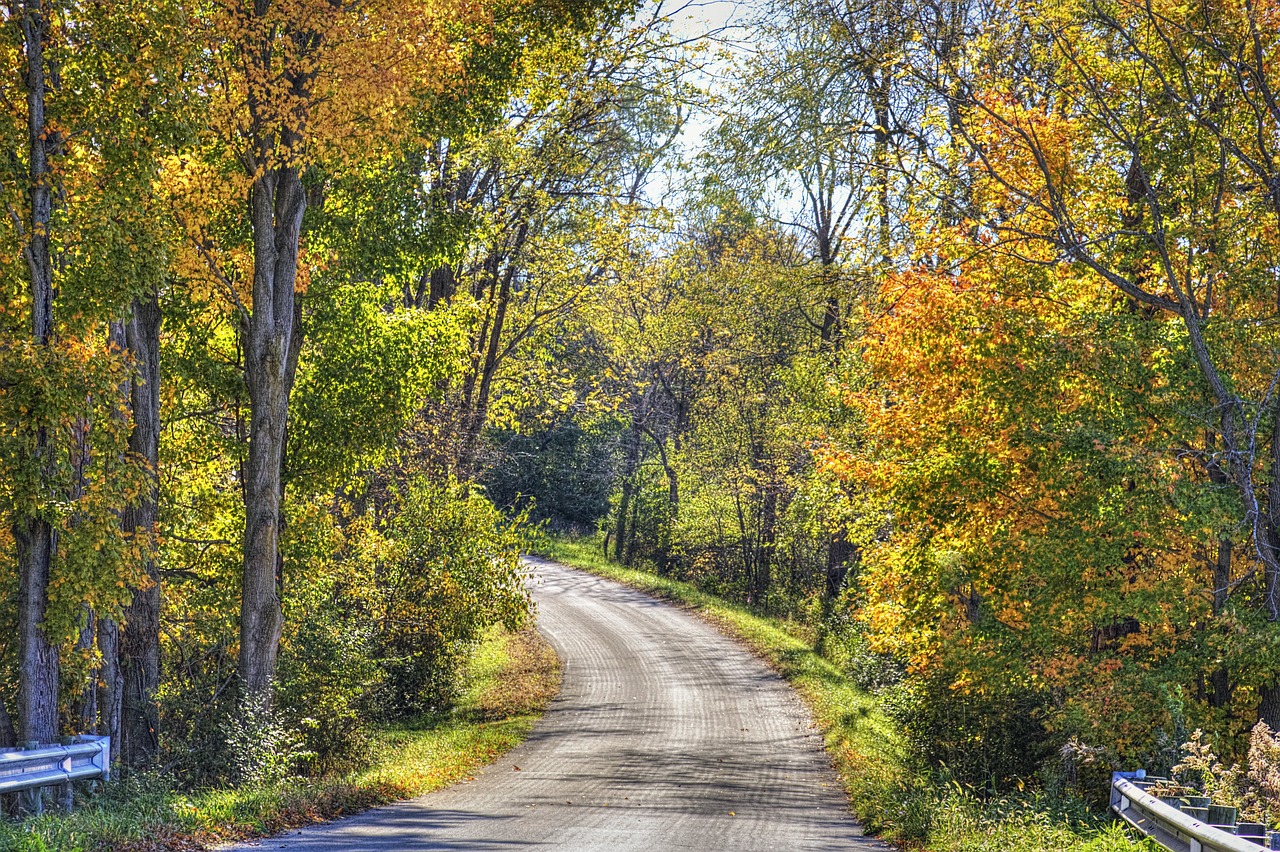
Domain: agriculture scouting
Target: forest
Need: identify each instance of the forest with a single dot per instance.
(947, 329)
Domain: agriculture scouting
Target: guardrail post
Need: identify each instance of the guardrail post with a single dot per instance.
(31, 802)
(68, 797)
(1137, 775)
(103, 760)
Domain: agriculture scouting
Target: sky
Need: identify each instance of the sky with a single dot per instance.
(721, 24)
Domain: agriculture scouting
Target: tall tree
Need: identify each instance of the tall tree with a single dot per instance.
(1178, 127)
(36, 539)
(294, 85)
(137, 721)
(78, 213)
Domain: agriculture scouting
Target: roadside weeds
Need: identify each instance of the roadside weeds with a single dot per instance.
(512, 678)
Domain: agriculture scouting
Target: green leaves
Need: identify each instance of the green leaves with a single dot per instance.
(368, 367)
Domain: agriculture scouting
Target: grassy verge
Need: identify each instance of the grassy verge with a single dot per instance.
(511, 679)
(889, 792)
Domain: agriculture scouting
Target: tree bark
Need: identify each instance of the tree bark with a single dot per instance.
(629, 555)
(138, 673)
(839, 552)
(109, 683)
(1269, 706)
(880, 155)
(277, 203)
(479, 386)
(1220, 678)
(87, 700)
(767, 543)
(36, 539)
(442, 285)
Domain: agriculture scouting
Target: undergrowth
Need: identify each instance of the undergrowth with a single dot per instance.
(891, 792)
(510, 680)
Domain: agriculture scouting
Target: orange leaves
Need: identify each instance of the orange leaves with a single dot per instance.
(1030, 530)
(1028, 156)
(313, 80)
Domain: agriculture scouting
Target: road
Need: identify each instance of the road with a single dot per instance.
(666, 735)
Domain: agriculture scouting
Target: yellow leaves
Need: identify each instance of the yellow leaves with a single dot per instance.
(311, 79)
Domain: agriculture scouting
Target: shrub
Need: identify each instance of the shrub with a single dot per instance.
(453, 571)
(982, 738)
(1253, 788)
(379, 627)
(261, 748)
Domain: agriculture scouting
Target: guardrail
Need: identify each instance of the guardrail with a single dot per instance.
(1178, 830)
(51, 765)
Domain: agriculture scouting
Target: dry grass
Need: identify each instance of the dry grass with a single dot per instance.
(530, 678)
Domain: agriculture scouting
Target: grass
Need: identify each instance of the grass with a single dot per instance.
(511, 679)
(890, 792)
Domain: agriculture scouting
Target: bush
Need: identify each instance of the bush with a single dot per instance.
(379, 629)
(453, 571)
(983, 739)
(328, 672)
(263, 750)
(563, 475)
(1253, 788)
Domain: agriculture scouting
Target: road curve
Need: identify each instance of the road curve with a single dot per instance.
(666, 735)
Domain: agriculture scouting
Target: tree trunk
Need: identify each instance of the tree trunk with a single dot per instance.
(36, 540)
(109, 684)
(839, 551)
(87, 700)
(1220, 678)
(628, 488)
(442, 286)
(480, 386)
(8, 736)
(137, 718)
(767, 543)
(1269, 706)
(629, 555)
(621, 531)
(277, 203)
(673, 502)
(830, 319)
(840, 554)
(880, 154)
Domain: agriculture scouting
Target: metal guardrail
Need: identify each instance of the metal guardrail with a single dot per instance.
(49, 765)
(1167, 824)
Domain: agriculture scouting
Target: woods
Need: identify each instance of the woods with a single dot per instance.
(959, 349)
(233, 501)
(944, 330)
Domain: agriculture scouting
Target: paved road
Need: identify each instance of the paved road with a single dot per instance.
(666, 735)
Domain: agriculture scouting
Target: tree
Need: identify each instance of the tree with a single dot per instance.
(293, 85)
(1144, 171)
(77, 216)
(34, 535)
(579, 144)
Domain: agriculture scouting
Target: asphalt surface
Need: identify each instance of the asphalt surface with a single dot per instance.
(666, 735)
